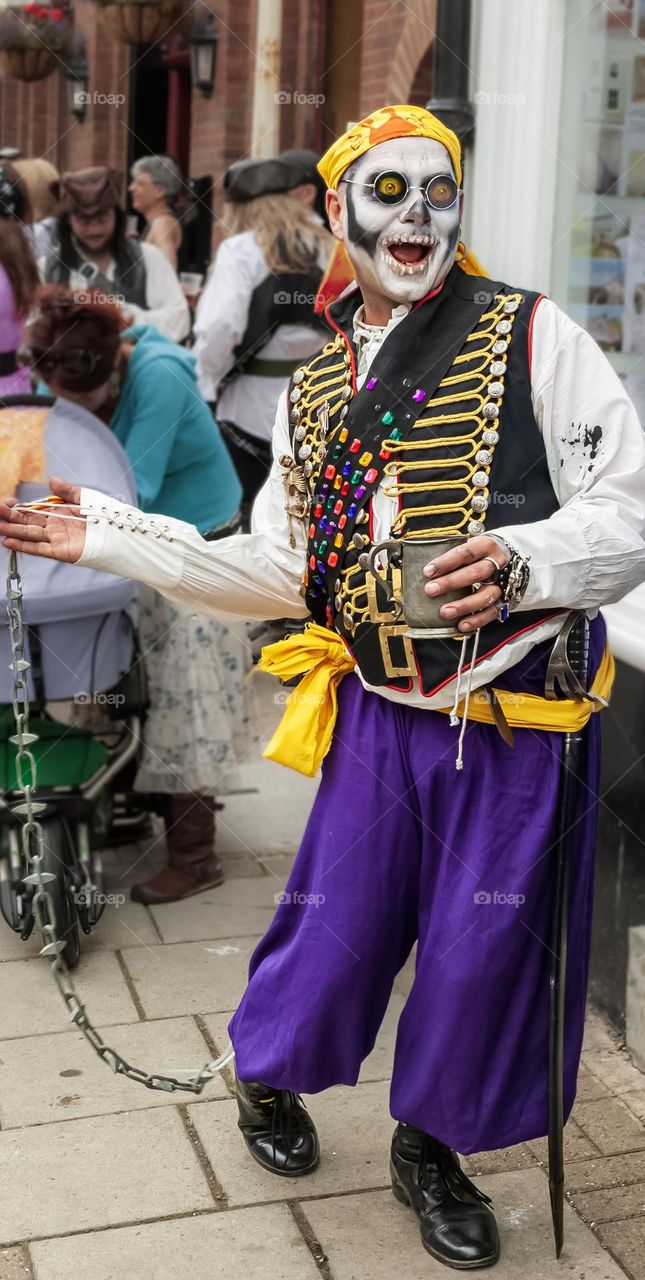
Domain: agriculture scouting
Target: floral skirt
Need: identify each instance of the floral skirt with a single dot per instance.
(197, 725)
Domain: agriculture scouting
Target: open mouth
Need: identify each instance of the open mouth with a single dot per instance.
(408, 254)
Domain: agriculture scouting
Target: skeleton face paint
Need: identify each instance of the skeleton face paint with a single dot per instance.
(402, 251)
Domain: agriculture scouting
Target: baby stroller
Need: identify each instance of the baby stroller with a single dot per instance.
(80, 641)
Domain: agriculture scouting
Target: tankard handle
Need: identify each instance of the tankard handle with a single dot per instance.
(390, 545)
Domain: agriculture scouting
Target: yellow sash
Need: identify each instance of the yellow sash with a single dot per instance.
(304, 735)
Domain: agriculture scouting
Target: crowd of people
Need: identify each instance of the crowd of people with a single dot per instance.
(99, 316)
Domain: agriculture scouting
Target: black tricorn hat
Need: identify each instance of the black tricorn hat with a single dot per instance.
(248, 179)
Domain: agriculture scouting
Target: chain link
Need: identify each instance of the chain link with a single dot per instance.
(33, 849)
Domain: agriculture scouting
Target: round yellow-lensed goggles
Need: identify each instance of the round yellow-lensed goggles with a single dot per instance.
(391, 187)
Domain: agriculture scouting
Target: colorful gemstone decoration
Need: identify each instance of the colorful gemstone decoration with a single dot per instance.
(365, 459)
(371, 475)
(371, 383)
(356, 476)
(361, 491)
(354, 446)
(345, 488)
(338, 540)
(312, 530)
(342, 435)
(352, 510)
(337, 482)
(330, 471)
(312, 562)
(396, 434)
(419, 395)
(338, 506)
(347, 468)
(318, 511)
(333, 559)
(342, 522)
(385, 454)
(387, 418)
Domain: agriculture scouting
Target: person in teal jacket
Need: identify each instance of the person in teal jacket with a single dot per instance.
(144, 387)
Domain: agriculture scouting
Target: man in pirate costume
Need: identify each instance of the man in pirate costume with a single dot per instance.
(444, 403)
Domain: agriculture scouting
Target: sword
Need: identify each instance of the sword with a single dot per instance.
(566, 678)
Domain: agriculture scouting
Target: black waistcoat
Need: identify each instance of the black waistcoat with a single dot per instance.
(285, 297)
(450, 387)
(129, 280)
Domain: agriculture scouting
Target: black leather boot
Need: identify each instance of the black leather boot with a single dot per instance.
(457, 1227)
(277, 1129)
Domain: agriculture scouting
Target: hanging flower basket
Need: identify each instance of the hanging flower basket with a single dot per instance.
(141, 21)
(34, 40)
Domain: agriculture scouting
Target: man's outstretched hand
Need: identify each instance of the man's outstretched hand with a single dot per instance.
(40, 534)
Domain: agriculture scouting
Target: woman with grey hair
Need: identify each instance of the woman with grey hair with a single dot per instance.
(155, 186)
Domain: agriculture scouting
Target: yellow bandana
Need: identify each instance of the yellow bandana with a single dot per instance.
(383, 125)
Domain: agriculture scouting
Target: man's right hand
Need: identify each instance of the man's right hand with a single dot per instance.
(50, 535)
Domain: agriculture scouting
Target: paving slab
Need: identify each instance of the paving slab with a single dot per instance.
(242, 907)
(612, 1203)
(15, 1265)
(125, 925)
(627, 1242)
(355, 1130)
(610, 1126)
(101, 1172)
(616, 1070)
(589, 1086)
(57, 1077)
(372, 1237)
(635, 1102)
(251, 1244)
(598, 1038)
(606, 1171)
(576, 1145)
(31, 1003)
(503, 1160)
(190, 977)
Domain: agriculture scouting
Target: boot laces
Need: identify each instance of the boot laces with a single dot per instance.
(284, 1106)
(436, 1158)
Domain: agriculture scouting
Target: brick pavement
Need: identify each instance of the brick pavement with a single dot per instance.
(101, 1178)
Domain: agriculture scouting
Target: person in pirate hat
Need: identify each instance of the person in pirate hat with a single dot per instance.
(255, 320)
(90, 250)
(445, 404)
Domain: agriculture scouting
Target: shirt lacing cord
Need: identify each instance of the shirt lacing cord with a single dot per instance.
(133, 523)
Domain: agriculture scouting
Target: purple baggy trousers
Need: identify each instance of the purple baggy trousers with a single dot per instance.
(400, 848)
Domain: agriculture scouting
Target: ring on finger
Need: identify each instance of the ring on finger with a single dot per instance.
(498, 567)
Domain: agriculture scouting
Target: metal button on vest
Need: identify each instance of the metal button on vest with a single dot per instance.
(480, 479)
(511, 305)
(498, 368)
(295, 395)
(500, 347)
(475, 527)
(490, 436)
(305, 451)
(504, 326)
(490, 411)
(483, 457)
(496, 389)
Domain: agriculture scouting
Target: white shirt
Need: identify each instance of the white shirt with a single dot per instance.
(588, 553)
(220, 324)
(166, 306)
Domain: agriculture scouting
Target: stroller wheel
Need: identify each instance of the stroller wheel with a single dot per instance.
(56, 860)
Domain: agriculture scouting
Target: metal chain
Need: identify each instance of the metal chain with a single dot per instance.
(33, 848)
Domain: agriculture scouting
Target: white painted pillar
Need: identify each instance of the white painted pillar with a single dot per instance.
(517, 58)
(265, 127)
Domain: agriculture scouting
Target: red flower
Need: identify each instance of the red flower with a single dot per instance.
(57, 15)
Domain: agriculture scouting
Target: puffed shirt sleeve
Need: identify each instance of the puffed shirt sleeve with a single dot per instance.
(167, 308)
(591, 551)
(255, 575)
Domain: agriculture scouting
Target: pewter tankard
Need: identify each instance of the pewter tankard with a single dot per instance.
(419, 610)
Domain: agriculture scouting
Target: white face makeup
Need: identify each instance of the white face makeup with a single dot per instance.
(403, 250)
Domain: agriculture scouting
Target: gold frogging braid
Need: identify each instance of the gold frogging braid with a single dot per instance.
(464, 441)
(318, 408)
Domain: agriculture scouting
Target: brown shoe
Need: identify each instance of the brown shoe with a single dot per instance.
(193, 865)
